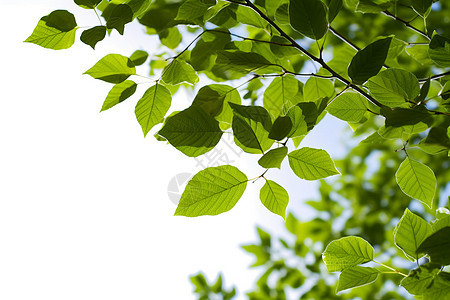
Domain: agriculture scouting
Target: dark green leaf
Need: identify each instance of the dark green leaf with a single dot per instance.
(309, 17)
(368, 61)
(274, 197)
(89, 4)
(139, 57)
(299, 125)
(420, 279)
(439, 50)
(113, 68)
(192, 131)
(371, 6)
(121, 15)
(421, 6)
(273, 158)
(212, 191)
(152, 107)
(119, 93)
(280, 128)
(170, 37)
(437, 247)
(311, 164)
(333, 9)
(51, 38)
(93, 35)
(60, 19)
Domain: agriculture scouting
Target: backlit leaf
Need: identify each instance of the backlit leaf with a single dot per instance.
(420, 279)
(311, 164)
(93, 35)
(192, 131)
(437, 246)
(416, 180)
(347, 252)
(51, 38)
(274, 197)
(439, 50)
(317, 88)
(356, 276)
(119, 93)
(139, 57)
(152, 107)
(273, 158)
(89, 4)
(113, 68)
(349, 106)
(179, 71)
(309, 17)
(277, 95)
(212, 191)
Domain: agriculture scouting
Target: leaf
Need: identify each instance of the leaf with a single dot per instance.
(333, 9)
(274, 197)
(317, 88)
(421, 6)
(120, 15)
(89, 4)
(280, 128)
(393, 87)
(420, 279)
(349, 106)
(279, 93)
(93, 35)
(245, 62)
(179, 71)
(273, 158)
(61, 20)
(152, 107)
(251, 126)
(439, 50)
(410, 232)
(416, 180)
(368, 61)
(139, 7)
(371, 6)
(170, 37)
(139, 57)
(309, 17)
(299, 125)
(356, 276)
(192, 131)
(440, 289)
(347, 252)
(113, 68)
(119, 93)
(51, 38)
(311, 164)
(212, 191)
(437, 246)
(193, 10)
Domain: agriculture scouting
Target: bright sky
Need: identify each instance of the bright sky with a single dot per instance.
(84, 209)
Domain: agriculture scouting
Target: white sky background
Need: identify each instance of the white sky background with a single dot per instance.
(84, 211)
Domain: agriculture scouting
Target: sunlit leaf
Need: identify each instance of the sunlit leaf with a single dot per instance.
(273, 158)
(274, 197)
(309, 17)
(212, 191)
(119, 93)
(113, 68)
(139, 57)
(311, 164)
(89, 4)
(356, 276)
(179, 71)
(349, 106)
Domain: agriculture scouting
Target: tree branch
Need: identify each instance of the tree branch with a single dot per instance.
(406, 23)
(435, 76)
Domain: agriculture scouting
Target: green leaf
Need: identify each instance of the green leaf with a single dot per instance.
(437, 246)
(441, 223)
(299, 125)
(139, 57)
(212, 191)
(194, 10)
(89, 4)
(393, 87)
(309, 17)
(170, 37)
(152, 107)
(245, 62)
(311, 164)
(204, 52)
(416, 180)
(372, 6)
(410, 232)
(420, 279)
(368, 61)
(93, 35)
(279, 93)
(421, 6)
(439, 50)
(139, 7)
(119, 93)
(274, 197)
(179, 71)
(317, 88)
(349, 106)
(251, 126)
(280, 128)
(246, 15)
(50, 37)
(333, 9)
(356, 276)
(113, 68)
(437, 141)
(273, 158)
(440, 288)
(120, 15)
(192, 131)
(61, 20)
(347, 252)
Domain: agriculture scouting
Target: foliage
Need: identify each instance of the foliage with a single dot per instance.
(378, 65)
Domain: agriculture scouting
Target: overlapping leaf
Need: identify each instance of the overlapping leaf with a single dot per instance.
(113, 68)
(311, 164)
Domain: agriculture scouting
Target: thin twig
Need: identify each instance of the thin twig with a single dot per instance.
(435, 76)
(406, 23)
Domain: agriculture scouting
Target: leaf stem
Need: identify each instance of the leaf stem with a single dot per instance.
(390, 268)
(437, 76)
(406, 23)
(99, 19)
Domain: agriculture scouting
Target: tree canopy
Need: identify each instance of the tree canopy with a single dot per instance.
(267, 72)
